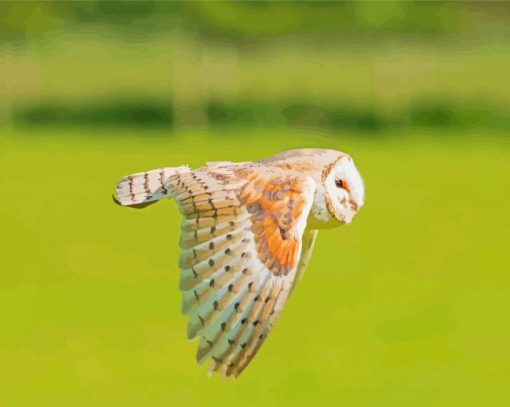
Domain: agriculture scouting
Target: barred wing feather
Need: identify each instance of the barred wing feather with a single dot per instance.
(241, 240)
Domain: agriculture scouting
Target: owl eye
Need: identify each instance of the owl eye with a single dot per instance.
(339, 183)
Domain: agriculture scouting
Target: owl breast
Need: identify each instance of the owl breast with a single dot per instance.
(320, 216)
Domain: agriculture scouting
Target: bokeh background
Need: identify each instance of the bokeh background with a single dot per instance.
(408, 306)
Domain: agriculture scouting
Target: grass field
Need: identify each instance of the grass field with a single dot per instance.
(80, 66)
(405, 307)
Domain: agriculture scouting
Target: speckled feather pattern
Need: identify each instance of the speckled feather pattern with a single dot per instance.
(243, 233)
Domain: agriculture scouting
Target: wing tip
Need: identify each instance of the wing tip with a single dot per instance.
(116, 201)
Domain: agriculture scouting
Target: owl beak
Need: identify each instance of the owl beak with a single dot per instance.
(354, 205)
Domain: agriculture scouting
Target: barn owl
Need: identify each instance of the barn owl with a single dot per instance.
(247, 234)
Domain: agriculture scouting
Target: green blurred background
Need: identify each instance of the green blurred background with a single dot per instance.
(405, 307)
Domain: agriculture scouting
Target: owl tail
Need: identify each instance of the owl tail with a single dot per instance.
(145, 188)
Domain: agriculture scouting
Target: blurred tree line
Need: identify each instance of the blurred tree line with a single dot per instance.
(248, 21)
(215, 48)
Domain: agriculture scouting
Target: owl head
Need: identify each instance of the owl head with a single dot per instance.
(342, 188)
(339, 192)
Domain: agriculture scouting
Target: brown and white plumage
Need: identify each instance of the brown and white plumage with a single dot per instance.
(247, 234)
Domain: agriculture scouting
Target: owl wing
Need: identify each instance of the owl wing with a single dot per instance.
(241, 242)
(309, 237)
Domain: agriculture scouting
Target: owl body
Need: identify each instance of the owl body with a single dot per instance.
(247, 234)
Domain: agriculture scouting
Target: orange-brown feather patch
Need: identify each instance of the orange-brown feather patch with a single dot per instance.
(275, 205)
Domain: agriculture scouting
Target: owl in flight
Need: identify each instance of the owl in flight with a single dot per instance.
(247, 234)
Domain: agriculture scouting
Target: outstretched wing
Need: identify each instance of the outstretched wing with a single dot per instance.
(241, 243)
